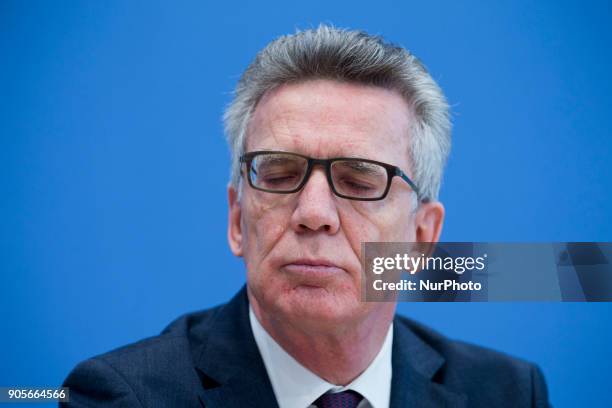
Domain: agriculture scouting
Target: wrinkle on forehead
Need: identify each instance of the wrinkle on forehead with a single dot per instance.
(324, 118)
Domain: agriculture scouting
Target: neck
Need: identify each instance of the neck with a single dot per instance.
(337, 355)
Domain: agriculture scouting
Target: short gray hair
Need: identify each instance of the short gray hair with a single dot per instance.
(356, 57)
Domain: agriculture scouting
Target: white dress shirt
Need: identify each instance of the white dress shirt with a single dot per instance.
(297, 387)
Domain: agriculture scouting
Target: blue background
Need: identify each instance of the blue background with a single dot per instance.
(113, 166)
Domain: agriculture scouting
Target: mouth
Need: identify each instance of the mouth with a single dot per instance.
(312, 272)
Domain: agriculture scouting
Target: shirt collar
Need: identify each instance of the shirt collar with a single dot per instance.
(296, 386)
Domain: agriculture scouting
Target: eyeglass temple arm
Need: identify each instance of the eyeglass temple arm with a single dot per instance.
(400, 173)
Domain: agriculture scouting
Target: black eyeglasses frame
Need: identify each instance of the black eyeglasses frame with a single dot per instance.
(392, 171)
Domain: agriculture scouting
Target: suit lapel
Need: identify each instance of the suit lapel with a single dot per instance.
(414, 365)
(229, 363)
(233, 373)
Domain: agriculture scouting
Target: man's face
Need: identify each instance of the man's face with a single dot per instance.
(302, 250)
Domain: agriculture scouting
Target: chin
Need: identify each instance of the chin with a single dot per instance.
(318, 307)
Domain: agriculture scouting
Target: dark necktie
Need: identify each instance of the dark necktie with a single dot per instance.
(344, 399)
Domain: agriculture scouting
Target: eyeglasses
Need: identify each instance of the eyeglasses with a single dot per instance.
(351, 178)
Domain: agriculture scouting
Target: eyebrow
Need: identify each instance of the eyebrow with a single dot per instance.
(279, 159)
(363, 167)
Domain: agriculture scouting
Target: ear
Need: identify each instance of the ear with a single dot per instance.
(234, 227)
(429, 220)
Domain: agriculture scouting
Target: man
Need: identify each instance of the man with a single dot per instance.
(321, 124)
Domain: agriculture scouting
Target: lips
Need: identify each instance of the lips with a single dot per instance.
(312, 270)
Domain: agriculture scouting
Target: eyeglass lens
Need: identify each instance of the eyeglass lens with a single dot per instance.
(280, 172)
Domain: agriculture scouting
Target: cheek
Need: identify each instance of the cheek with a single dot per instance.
(268, 221)
(399, 228)
(357, 228)
(386, 221)
(399, 225)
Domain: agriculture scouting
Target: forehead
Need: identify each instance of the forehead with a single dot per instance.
(324, 118)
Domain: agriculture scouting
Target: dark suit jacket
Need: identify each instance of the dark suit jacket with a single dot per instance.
(210, 359)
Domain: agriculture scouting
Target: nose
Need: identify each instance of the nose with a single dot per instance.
(316, 206)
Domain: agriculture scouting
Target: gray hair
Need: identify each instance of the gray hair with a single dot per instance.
(356, 57)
